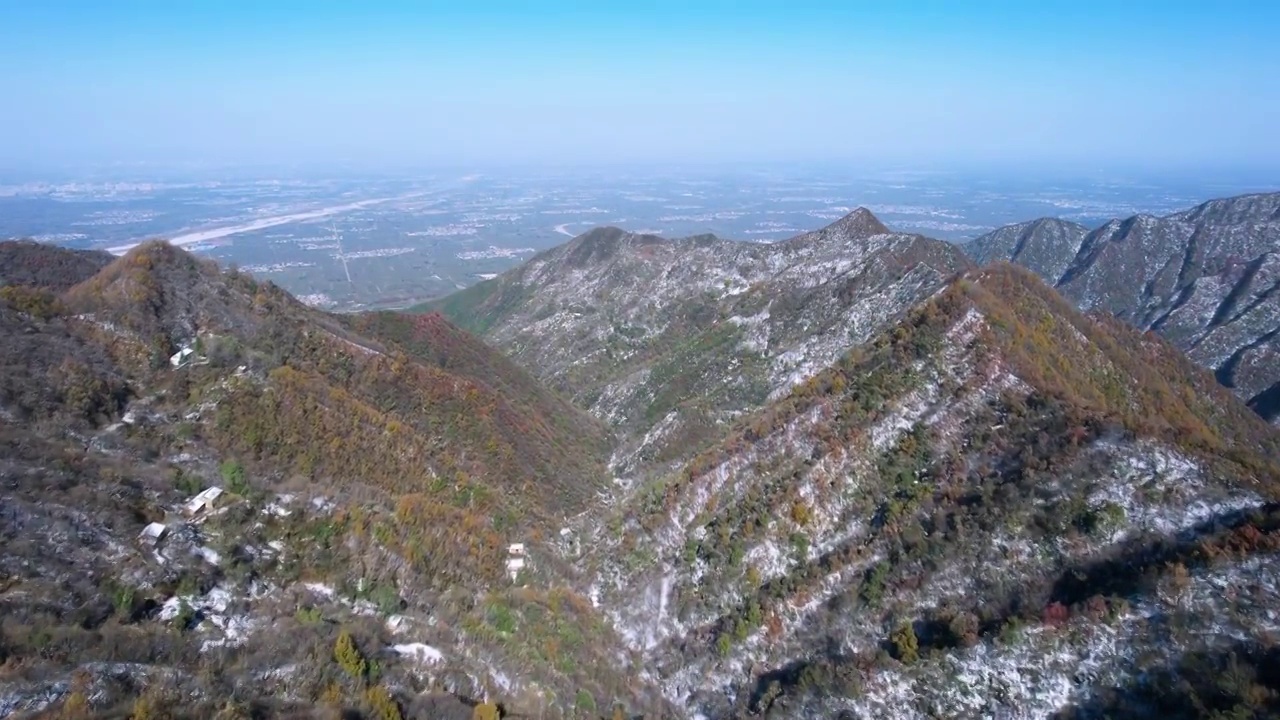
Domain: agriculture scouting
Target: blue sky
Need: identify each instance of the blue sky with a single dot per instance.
(561, 81)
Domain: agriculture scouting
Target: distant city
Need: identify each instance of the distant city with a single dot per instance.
(379, 242)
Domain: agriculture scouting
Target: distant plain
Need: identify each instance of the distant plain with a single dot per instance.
(392, 241)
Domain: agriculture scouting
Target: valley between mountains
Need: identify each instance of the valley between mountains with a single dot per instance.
(855, 474)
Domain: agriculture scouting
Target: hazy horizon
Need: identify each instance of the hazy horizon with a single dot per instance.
(567, 84)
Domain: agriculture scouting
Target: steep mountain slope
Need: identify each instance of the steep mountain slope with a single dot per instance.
(373, 471)
(669, 339)
(1206, 279)
(992, 509)
(431, 337)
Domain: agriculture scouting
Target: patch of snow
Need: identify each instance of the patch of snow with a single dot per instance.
(364, 607)
(756, 337)
(320, 589)
(909, 411)
(170, 609)
(768, 559)
(419, 652)
(210, 555)
(1162, 490)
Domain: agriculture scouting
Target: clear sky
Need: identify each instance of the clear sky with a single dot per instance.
(1121, 81)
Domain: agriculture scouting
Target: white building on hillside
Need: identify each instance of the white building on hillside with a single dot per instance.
(515, 559)
(182, 357)
(152, 533)
(203, 501)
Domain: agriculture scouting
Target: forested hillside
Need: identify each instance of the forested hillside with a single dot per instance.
(372, 472)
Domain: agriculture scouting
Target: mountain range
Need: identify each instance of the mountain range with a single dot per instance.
(669, 340)
(772, 555)
(1206, 279)
(854, 474)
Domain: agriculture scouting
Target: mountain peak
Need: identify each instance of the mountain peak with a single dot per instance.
(1053, 223)
(158, 290)
(1046, 245)
(602, 233)
(155, 264)
(602, 243)
(859, 224)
